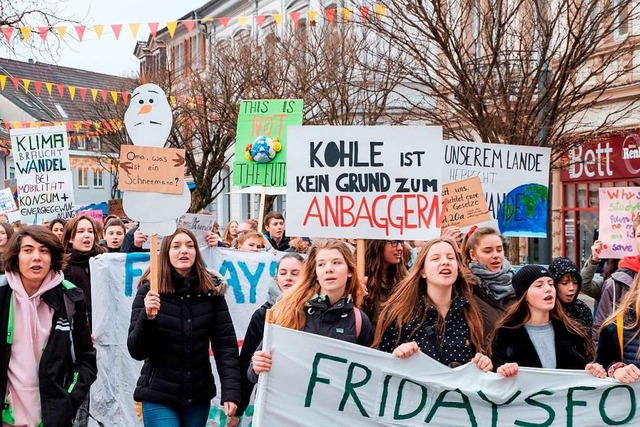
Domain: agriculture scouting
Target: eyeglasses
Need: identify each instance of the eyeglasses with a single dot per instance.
(395, 243)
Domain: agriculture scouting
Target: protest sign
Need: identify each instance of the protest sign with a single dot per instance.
(261, 141)
(321, 381)
(365, 182)
(198, 224)
(95, 214)
(114, 282)
(44, 181)
(7, 203)
(619, 206)
(115, 208)
(515, 180)
(160, 170)
(465, 203)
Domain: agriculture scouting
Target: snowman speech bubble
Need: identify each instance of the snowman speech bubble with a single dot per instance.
(151, 176)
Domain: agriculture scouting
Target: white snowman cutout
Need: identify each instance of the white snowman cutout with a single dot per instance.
(148, 120)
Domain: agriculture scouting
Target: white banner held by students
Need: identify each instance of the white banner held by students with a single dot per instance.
(369, 182)
(321, 381)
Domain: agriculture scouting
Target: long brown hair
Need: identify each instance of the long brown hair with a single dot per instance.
(165, 281)
(630, 305)
(374, 270)
(72, 227)
(289, 311)
(404, 303)
(227, 238)
(518, 314)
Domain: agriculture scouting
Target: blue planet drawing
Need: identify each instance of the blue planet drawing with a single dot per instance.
(523, 212)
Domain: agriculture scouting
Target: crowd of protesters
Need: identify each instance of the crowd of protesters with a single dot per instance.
(456, 299)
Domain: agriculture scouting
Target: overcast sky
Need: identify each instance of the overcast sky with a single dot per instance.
(106, 55)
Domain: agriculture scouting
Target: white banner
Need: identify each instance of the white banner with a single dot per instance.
(43, 172)
(318, 381)
(370, 182)
(114, 281)
(198, 224)
(515, 180)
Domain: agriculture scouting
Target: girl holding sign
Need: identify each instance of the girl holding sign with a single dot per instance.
(431, 311)
(536, 332)
(324, 302)
(171, 330)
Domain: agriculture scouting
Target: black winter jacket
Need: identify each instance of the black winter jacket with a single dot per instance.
(337, 321)
(609, 347)
(514, 345)
(63, 383)
(175, 345)
(452, 348)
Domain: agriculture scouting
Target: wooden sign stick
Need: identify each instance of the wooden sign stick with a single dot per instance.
(263, 196)
(360, 249)
(153, 267)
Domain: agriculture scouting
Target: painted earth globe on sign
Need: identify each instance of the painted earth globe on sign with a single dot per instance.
(524, 211)
(263, 149)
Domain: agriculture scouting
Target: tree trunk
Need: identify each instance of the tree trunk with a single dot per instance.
(514, 250)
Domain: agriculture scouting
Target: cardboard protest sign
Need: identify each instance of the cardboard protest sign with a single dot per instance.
(515, 180)
(114, 282)
(465, 203)
(261, 141)
(7, 204)
(316, 381)
(43, 172)
(115, 208)
(156, 194)
(93, 214)
(198, 224)
(369, 182)
(619, 207)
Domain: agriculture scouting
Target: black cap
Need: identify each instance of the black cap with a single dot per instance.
(526, 276)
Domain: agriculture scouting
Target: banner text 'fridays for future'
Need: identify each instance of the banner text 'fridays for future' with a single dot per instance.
(315, 379)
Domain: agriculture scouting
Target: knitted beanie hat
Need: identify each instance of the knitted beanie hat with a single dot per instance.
(561, 266)
(526, 276)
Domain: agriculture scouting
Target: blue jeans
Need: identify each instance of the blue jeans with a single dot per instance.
(157, 415)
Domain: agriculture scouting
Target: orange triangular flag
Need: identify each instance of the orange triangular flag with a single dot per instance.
(38, 86)
(49, 86)
(62, 31)
(153, 27)
(134, 30)
(98, 28)
(313, 15)
(125, 96)
(171, 27)
(103, 94)
(260, 19)
(189, 24)
(116, 30)
(330, 13)
(114, 96)
(242, 20)
(295, 17)
(7, 31)
(44, 32)
(277, 18)
(16, 82)
(364, 11)
(224, 21)
(80, 31)
(60, 89)
(83, 93)
(346, 14)
(94, 94)
(26, 83)
(3, 81)
(72, 92)
(381, 10)
(26, 33)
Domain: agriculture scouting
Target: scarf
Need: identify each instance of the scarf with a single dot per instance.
(496, 283)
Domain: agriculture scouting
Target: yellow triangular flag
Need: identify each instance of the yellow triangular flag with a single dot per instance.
(94, 93)
(207, 19)
(242, 20)
(277, 17)
(171, 27)
(72, 92)
(49, 86)
(97, 125)
(98, 29)
(172, 99)
(312, 14)
(380, 9)
(134, 30)
(77, 126)
(114, 96)
(26, 83)
(3, 81)
(346, 14)
(62, 31)
(36, 125)
(26, 33)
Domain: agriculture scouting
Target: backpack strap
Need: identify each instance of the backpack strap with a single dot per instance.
(358, 315)
(620, 329)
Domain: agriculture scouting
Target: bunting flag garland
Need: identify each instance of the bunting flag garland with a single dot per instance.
(330, 14)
